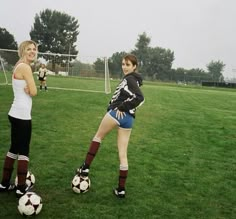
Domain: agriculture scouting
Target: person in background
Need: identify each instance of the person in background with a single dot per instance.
(120, 114)
(42, 77)
(24, 89)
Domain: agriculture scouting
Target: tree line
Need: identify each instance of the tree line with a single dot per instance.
(57, 32)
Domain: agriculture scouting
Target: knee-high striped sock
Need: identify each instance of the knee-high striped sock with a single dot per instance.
(94, 146)
(22, 169)
(8, 167)
(123, 176)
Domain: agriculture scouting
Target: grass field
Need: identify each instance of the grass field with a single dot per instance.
(182, 154)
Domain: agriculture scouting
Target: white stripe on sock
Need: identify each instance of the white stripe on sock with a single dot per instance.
(23, 157)
(11, 155)
(97, 139)
(123, 167)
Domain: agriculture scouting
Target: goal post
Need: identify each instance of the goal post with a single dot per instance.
(64, 71)
(3, 75)
(107, 77)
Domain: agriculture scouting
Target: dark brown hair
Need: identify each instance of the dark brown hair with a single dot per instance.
(132, 58)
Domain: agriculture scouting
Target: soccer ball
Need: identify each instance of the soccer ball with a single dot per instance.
(30, 204)
(80, 184)
(30, 179)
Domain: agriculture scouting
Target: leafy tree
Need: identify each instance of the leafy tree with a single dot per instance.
(99, 66)
(178, 74)
(196, 75)
(215, 69)
(141, 49)
(7, 41)
(83, 69)
(115, 64)
(55, 32)
(154, 62)
(159, 63)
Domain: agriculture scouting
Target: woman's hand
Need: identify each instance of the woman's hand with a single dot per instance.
(120, 114)
(26, 89)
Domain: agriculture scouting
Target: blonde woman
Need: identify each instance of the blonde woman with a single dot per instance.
(24, 89)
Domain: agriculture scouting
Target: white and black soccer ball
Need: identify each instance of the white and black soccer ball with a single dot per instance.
(80, 184)
(30, 204)
(30, 179)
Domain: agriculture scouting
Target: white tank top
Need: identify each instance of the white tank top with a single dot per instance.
(22, 103)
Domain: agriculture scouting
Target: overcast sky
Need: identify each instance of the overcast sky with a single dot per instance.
(197, 31)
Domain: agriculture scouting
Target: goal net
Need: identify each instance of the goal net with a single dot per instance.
(64, 71)
(5, 58)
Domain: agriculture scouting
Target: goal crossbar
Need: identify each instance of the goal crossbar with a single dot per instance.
(66, 65)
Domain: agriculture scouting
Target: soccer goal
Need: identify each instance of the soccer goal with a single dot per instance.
(64, 71)
(3, 74)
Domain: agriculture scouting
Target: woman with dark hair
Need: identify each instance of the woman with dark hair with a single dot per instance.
(120, 113)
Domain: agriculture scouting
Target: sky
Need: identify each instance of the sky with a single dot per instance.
(197, 31)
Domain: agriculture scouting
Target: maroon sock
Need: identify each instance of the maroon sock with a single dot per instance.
(94, 146)
(122, 178)
(8, 167)
(22, 169)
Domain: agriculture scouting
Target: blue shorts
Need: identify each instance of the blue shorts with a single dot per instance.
(126, 122)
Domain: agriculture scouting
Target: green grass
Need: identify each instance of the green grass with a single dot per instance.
(182, 154)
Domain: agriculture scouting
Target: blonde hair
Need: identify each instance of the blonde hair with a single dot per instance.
(23, 46)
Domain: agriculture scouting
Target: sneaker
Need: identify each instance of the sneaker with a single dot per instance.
(83, 170)
(21, 191)
(119, 192)
(8, 188)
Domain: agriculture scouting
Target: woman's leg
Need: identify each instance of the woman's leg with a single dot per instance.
(106, 125)
(123, 137)
(40, 84)
(23, 143)
(45, 85)
(122, 142)
(11, 154)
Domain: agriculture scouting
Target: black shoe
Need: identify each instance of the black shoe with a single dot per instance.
(83, 170)
(119, 192)
(7, 188)
(21, 190)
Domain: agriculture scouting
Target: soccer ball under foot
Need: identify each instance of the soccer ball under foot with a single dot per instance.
(30, 180)
(80, 184)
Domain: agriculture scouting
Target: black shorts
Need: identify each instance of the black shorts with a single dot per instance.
(20, 136)
(42, 79)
